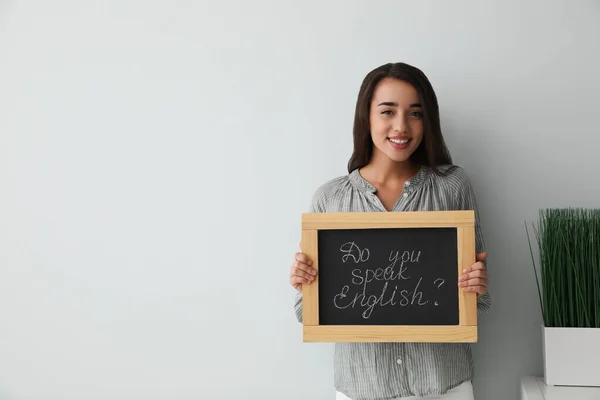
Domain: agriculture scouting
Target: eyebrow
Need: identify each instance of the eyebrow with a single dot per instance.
(394, 104)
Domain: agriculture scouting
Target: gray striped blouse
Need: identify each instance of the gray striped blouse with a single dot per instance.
(380, 371)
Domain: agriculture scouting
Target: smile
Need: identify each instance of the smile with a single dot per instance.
(400, 143)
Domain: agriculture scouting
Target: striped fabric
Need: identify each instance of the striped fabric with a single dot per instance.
(384, 371)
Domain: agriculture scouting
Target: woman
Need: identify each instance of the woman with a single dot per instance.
(400, 163)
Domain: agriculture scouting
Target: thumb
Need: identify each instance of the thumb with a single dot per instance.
(300, 246)
(481, 256)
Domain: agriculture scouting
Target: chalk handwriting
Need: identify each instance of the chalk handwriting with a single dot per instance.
(439, 282)
(351, 250)
(402, 298)
(404, 258)
(397, 290)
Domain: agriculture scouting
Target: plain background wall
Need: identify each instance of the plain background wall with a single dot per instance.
(156, 157)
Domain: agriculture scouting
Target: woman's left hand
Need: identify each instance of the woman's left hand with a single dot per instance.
(475, 278)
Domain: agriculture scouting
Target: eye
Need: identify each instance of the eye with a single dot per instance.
(387, 112)
(416, 114)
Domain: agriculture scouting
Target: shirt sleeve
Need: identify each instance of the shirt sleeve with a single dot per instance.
(467, 201)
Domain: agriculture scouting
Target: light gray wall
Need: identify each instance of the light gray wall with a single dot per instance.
(156, 158)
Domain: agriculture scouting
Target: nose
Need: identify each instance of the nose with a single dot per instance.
(400, 123)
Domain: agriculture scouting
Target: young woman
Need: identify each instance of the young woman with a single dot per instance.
(400, 163)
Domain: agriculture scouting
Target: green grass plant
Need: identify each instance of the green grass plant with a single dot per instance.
(568, 275)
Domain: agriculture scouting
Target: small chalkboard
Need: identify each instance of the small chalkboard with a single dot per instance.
(389, 277)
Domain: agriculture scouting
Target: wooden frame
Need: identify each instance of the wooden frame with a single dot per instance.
(463, 221)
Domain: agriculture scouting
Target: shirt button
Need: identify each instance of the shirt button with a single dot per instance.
(407, 183)
(399, 361)
(405, 194)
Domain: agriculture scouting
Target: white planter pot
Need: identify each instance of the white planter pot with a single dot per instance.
(571, 356)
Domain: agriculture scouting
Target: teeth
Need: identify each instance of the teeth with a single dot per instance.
(399, 141)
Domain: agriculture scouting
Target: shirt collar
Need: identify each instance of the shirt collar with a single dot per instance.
(412, 184)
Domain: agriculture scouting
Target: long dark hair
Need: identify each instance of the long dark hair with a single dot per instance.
(432, 151)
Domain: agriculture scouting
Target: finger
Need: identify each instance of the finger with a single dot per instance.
(304, 263)
(477, 266)
(303, 258)
(303, 267)
(301, 273)
(481, 256)
(474, 282)
(475, 287)
(474, 274)
(298, 280)
(295, 280)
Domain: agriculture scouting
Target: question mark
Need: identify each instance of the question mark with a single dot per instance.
(439, 285)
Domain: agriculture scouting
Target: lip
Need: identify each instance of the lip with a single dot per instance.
(399, 146)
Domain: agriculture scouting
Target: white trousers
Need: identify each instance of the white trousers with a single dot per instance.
(463, 391)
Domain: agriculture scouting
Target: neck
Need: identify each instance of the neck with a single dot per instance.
(382, 170)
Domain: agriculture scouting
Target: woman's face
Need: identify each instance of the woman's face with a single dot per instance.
(396, 119)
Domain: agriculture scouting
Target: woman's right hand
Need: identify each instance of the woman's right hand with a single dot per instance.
(302, 272)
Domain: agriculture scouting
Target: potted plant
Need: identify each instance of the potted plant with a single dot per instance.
(568, 284)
